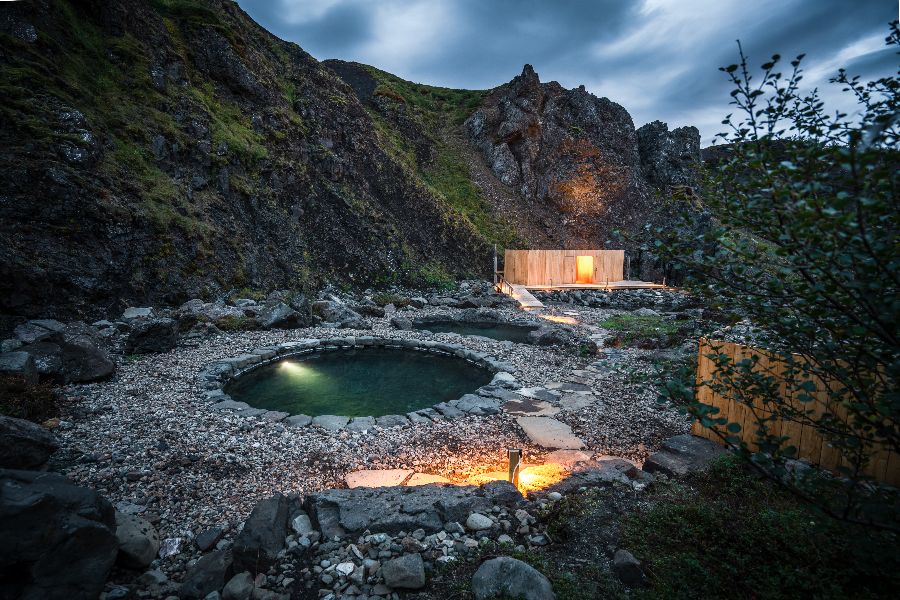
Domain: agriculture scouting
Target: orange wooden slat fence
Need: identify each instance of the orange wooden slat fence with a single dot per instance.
(884, 465)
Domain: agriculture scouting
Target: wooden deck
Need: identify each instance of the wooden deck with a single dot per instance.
(624, 284)
(524, 297)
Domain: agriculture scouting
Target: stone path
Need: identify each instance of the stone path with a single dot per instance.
(550, 433)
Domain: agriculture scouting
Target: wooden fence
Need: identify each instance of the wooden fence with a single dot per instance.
(558, 267)
(884, 465)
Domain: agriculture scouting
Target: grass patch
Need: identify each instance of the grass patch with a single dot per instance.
(385, 298)
(728, 534)
(650, 331)
(32, 402)
(233, 323)
(435, 275)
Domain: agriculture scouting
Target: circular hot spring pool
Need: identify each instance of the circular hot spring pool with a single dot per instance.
(359, 382)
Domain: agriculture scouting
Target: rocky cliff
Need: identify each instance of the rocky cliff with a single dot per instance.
(162, 150)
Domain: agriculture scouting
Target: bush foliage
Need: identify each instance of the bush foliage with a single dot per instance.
(799, 236)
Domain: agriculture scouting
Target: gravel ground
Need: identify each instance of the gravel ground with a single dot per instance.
(147, 438)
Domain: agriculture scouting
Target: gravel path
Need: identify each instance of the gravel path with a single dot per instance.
(147, 439)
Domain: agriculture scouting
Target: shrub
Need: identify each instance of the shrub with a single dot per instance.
(800, 237)
(27, 401)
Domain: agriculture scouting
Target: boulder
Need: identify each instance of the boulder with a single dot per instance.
(138, 541)
(683, 454)
(507, 577)
(278, 316)
(627, 568)
(19, 364)
(151, 335)
(208, 538)
(131, 313)
(37, 330)
(257, 545)
(75, 355)
(401, 322)
(344, 512)
(207, 575)
(58, 538)
(331, 311)
(406, 572)
(24, 445)
(239, 587)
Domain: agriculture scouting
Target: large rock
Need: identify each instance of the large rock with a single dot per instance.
(57, 538)
(138, 541)
(24, 445)
(207, 575)
(240, 587)
(507, 577)
(257, 545)
(38, 330)
(151, 335)
(669, 157)
(331, 311)
(19, 364)
(75, 355)
(627, 568)
(683, 454)
(406, 572)
(394, 509)
(278, 316)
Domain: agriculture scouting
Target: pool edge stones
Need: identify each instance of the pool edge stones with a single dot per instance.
(216, 375)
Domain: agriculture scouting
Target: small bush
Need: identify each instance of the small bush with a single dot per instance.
(26, 401)
(435, 275)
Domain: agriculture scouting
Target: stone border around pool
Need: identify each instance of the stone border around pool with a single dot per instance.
(486, 400)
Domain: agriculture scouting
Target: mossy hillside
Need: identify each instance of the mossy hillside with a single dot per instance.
(437, 111)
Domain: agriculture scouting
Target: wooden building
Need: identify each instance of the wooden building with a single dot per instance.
(564, 268)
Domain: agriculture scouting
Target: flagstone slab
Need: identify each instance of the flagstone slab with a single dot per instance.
(576, 401)
(529, 407)
(377, 478)
(550, 433)
(425, 479)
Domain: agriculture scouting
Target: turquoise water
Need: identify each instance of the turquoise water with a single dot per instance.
(362, 382)
(498, 331)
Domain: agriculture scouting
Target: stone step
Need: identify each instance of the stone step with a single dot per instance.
(550, 433)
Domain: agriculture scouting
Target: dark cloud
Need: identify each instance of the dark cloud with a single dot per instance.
(658, 58)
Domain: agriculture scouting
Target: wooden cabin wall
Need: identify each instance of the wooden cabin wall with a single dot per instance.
(556, 267)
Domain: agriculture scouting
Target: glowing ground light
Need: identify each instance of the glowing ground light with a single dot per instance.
(559, 319)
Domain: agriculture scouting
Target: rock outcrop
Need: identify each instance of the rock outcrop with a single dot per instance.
(24, 445)
(58, 538)
(215, 156)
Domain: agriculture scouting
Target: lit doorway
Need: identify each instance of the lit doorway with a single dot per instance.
(584, 269)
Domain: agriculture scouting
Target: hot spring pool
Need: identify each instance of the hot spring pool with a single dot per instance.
(356, 383)
(498, 331)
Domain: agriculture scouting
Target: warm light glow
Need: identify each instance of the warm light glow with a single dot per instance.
(559, 319)
(531, 479)
(584, 269)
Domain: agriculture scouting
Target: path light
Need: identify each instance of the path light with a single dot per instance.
(515, 463)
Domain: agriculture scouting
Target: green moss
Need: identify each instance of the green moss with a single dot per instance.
(448, 176)
(435, 275)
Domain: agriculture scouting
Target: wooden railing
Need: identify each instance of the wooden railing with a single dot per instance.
(802, 434)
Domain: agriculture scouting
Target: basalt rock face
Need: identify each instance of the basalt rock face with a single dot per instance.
(669, 157)
(582, 155)
(155, 152)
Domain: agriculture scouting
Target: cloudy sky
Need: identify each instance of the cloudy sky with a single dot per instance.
(658, 58)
